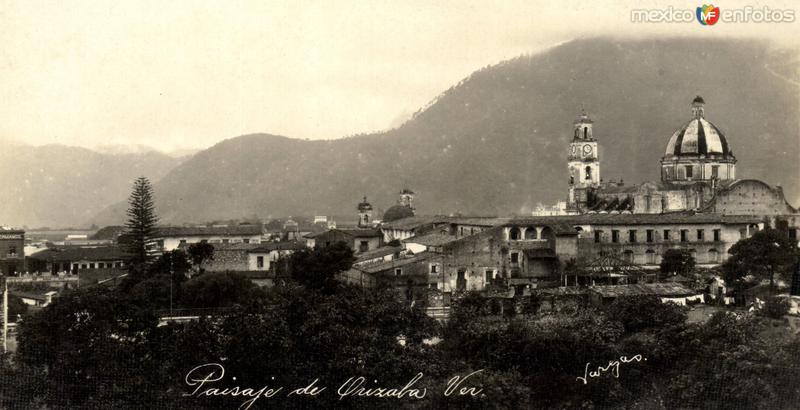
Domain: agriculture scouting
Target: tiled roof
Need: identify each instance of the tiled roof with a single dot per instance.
(221, 247)
(378, 253)
(409, 223)
(656, 289)
(278, 246)
(181, 231)
(28, 295)
(433, 239)
(395, 263)
(360, 233)
(76, 253)
(472, 220)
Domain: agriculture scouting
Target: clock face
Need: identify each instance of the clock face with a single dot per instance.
(587, 149)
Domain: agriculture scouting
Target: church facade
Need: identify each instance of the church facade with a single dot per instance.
(698, 173)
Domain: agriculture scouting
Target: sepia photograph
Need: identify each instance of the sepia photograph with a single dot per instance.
(411, 204)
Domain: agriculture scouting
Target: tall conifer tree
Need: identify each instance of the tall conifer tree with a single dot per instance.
(141, 223)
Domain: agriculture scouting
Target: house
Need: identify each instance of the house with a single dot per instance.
(379, 255)
(249, 257)
(358, 239)
(105, 260)
(12, 251)
(33, 298)
(169, 238)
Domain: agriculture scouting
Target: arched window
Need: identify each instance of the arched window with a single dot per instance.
(627, 256)
(531, 233)
(588, 172)
(514, 234)
(713, 255)
(585, 130)
(650, 256)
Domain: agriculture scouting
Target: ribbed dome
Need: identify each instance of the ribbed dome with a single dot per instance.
(698, 137)
(397, 212)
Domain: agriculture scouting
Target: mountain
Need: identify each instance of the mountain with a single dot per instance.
(59, 186)
(496, 142)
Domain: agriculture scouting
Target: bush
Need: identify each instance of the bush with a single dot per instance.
(775, 307)
(637, 313)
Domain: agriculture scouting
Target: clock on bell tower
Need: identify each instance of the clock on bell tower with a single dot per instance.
(583, 163)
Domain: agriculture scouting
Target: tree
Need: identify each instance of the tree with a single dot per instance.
(677, 262)
(199, 253)
(317, 268)
(223, 289)
(641, 312)
(764, 255)
(141, 223)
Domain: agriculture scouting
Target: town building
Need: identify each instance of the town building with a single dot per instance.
(12, 251)
(250, 257)
(359, 239)
(169, 238)
(610, 237)
(76, 260)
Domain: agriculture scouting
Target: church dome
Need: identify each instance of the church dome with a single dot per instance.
(698, 137)
(397, 212)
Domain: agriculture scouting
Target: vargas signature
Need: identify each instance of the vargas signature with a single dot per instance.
(612, 367)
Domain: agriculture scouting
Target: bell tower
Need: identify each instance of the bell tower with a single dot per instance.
(364, 214)
(583, 164)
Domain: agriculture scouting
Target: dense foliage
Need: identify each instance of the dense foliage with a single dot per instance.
(107, 348)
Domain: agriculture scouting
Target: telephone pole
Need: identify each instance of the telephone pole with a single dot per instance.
(4, 285)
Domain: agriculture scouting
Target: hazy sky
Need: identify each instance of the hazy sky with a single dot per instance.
(180, 74)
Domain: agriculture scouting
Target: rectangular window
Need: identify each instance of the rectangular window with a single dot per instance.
(615, 236)
(246, 240)
(715, 171)
(667, 235)
(717, 235)
(632, 236)
(597, 236)
(684, 235)
(689, 172)
(649, 235)
(363, 246)
(434, 286)
(91, 266)
(398, 271)
(434, 268)
(701, 234)
(260, 261)
(793, 234)
(515, 257)
(225, 241)
(12, 251)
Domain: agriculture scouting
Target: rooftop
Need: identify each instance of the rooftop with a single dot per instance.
(180, 231)
(655, 289)
(394, 263)
(77, 253)
(638, 219)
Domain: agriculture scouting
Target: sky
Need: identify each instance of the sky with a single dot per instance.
(187, 74)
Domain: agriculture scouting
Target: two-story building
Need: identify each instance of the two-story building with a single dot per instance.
(12, 251)
(169, 238)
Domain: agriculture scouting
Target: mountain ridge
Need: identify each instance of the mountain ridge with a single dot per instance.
(496, 142)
